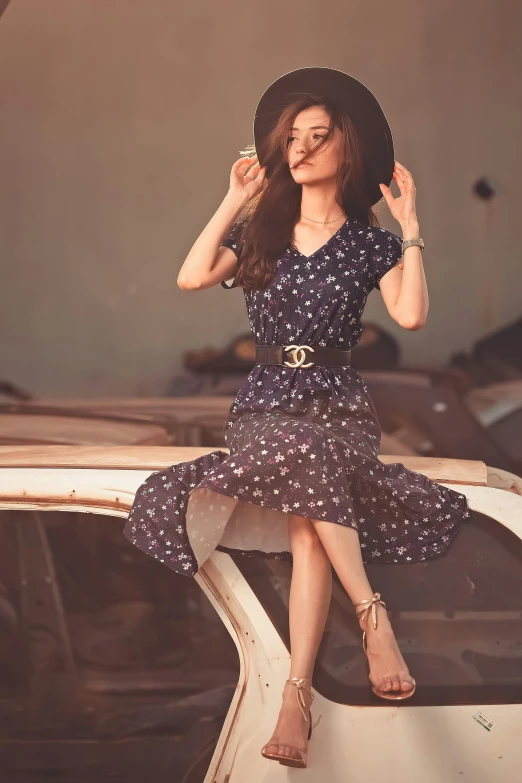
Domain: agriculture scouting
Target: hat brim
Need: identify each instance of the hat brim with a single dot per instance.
(348, 94)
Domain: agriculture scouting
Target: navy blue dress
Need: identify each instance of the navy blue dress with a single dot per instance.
(302, 440)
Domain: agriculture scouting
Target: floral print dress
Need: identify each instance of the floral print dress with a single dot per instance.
(302, 440)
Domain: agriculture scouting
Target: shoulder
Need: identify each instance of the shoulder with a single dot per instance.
(373, 234)
(241, 221)
(380, 234)
(381, 241)
(235, 235)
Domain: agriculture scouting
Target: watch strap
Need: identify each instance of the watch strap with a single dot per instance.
(417, 241)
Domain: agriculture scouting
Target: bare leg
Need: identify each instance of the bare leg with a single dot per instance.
(388, 670)
(310, 594)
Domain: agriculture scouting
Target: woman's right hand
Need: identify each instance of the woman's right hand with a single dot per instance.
(250, 185)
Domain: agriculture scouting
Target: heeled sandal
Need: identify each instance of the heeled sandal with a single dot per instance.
(372, 605)
(300, 759)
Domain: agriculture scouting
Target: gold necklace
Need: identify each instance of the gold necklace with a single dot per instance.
(324, 222)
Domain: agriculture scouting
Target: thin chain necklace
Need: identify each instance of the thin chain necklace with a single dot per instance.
(324, 222)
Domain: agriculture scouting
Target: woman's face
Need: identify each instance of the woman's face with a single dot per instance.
(309, 127)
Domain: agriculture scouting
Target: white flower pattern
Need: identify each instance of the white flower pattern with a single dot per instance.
(304, 440)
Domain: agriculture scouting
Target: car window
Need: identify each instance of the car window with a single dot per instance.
(457, 619)
(101, 643)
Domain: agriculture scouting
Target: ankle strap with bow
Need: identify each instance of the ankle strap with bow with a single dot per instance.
(299, 683)
(371, 605)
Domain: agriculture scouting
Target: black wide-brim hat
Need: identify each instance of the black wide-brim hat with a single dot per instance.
(346, 93)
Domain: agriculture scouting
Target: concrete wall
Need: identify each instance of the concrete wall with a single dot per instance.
(120, 121)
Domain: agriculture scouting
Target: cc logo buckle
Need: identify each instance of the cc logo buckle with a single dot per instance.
(298, 362)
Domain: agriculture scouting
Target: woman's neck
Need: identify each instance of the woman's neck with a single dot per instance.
(319, 203)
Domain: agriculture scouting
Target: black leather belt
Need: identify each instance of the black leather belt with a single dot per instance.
(302, 355)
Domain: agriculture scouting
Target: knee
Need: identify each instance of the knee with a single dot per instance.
(303, 536)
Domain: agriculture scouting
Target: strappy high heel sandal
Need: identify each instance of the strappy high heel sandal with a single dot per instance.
(372, 605)
(299, 760)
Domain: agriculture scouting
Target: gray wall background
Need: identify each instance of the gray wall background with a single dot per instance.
(120, 120)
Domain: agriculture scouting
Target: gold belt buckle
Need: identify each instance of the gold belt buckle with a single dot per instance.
(298, 362)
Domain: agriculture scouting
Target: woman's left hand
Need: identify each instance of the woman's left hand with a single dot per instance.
(403, 207)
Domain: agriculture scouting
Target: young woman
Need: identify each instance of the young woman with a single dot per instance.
(303, 478)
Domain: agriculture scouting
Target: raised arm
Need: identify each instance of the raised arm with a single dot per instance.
(208, 263)
(405, 293)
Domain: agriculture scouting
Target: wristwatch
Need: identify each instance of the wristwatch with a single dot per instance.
(415, 241)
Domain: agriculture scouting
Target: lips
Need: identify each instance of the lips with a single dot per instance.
(302, 164)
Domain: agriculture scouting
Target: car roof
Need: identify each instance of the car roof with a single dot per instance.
(459, 471)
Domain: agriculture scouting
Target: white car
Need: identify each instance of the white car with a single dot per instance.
(457, 619)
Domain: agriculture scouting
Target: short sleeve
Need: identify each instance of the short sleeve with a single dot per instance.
(234, 240)
(385, 251)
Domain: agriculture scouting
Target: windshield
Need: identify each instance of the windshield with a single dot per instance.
(457, 620)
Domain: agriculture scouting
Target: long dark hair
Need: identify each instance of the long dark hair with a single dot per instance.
(270, 217)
